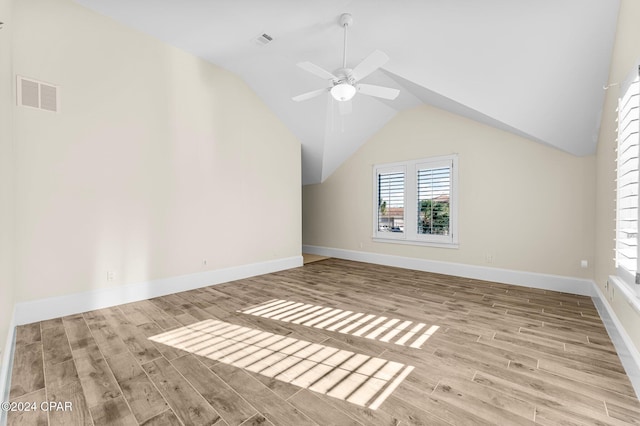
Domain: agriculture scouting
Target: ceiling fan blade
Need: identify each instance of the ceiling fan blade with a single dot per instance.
(369, 64)
(309, 95)
(378, 91)
(344, 107)
(316, 70)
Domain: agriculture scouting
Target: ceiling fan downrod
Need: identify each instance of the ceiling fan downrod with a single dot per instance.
(345, 20)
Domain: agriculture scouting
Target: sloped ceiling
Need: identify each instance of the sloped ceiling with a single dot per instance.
(532, 67)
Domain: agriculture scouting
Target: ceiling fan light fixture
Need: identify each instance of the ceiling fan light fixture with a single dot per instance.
(343, 92)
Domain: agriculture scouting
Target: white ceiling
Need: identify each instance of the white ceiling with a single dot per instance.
(532, 67)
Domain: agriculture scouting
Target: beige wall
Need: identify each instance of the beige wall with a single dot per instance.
(626, 53)
(157, 161)
(531, 207)
(6, 176)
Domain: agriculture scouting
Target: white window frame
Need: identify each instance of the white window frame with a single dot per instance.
(410, 234)
(385, 169)
(630, 87)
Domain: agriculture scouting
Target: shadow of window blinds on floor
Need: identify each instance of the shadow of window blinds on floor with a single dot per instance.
(404, 333)
(360, 379)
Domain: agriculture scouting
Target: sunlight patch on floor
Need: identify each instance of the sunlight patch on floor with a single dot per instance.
(384, 329)
(360, 379)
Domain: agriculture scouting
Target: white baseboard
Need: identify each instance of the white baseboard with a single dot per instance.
(565, 284)
(55, 307)
(628, 353)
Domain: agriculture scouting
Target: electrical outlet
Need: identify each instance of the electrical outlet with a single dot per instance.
(204, 262)
(488, 258)
(111, 275)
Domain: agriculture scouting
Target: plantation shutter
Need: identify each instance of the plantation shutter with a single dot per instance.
(627, 177)
(391, 194)
(434, 190)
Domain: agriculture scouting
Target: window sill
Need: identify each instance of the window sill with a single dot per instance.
(416, 243)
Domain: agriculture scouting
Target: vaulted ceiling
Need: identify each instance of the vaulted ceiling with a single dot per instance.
(532, 67)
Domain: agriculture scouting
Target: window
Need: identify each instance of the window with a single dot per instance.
(390, 211)
(416, 203)
(627, 174)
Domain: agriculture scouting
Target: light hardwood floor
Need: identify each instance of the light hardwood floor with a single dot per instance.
(310, 258)
(494, 355)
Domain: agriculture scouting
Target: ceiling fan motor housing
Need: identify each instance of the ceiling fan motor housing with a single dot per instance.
(344, 76)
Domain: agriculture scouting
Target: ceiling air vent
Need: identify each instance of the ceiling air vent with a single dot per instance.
(264, 39)
(36, 94)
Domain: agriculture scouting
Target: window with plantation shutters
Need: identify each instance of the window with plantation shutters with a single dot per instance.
(434, 190)
(391, 200)
(627, 178)
(415, 202)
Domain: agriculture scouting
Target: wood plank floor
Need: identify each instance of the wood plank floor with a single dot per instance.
(310, 258)
(494, 355)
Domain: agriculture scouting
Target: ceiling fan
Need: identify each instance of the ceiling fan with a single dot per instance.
(345, 81)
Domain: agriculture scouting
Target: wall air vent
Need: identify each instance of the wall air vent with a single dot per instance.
(36, 94)
(264, 39)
